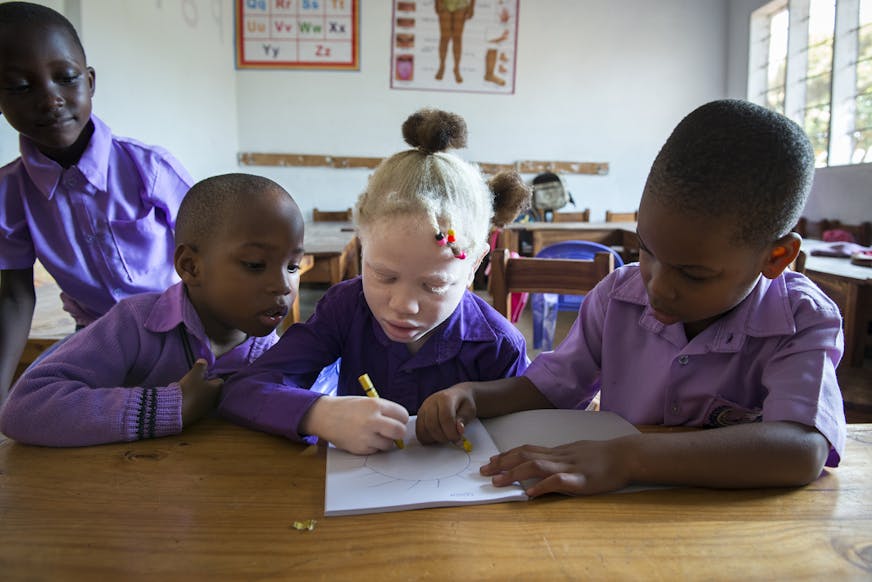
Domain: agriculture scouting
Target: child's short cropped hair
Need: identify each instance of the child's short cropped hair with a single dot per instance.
(732, 158)
(210, 204)
(449, 192)
(17, 15)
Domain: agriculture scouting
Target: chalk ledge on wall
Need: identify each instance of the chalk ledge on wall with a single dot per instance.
(319, 160)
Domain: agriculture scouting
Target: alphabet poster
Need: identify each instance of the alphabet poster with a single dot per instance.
(297, 34)
(454, 45)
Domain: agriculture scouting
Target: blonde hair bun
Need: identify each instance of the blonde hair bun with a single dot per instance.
(434, 130)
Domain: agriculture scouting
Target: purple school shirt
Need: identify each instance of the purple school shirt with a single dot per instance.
(117, 379)
(272, 395)
(103, 227)
(772, 358)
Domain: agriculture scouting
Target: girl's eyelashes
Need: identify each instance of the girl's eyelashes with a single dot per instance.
(293, 268)
(253, 266)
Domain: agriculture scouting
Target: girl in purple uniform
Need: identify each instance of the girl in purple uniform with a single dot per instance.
(410, 320)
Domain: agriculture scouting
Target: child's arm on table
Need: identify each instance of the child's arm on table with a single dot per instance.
(443, 414)
(79, 395)
(17, 303)
(767, 454)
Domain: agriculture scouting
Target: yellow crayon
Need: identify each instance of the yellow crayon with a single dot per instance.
(467, 446)
(368, 387)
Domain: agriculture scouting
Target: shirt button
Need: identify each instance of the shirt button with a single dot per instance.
(683, 360)
(675, 408)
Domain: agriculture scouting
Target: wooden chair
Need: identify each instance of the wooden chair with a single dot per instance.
(622, 216)
(572, 216)
(815, 229)
(533, 275)
(331, 215)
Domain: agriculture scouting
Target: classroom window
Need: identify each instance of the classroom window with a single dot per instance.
(812, 61)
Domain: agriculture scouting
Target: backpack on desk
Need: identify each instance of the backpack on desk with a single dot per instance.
(550, 193)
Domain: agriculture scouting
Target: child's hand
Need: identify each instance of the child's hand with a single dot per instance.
(358, 424)
(580, 468)
(443, 414)
(199, 395)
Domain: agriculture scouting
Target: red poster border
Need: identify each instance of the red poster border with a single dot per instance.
(353, 65)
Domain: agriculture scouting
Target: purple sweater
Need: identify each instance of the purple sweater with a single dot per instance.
(474, 343)
(118, 379)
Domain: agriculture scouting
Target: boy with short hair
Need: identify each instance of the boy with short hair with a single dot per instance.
(708, 330)
(155, 362)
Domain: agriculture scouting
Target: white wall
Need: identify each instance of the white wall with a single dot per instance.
(164, 76)
(839, 192)
(597, 80)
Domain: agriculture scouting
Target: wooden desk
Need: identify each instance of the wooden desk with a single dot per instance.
(850, 286)
(217, 503)
(336, 250)
(518, 235)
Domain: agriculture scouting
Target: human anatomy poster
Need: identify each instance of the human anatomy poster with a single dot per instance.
(454, 45)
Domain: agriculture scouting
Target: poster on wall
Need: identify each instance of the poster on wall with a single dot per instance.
(454, 45)
(297, 34)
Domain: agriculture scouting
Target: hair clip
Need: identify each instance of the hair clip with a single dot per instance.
(450, 239)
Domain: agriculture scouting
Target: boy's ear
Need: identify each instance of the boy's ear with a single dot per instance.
(187, 262)
(92, 80)
(781, 254)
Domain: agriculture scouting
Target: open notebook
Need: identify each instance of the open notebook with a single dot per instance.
(444, 475)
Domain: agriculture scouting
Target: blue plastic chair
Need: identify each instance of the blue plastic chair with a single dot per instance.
(546, 305)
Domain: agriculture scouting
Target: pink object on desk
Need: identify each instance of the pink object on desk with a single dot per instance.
(837, 235)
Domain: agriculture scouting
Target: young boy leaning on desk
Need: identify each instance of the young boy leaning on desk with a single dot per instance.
(708, 330)
(155, 362)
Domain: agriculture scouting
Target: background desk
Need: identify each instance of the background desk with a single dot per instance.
(850, 286)
(528, 238)
(335, 249)
(217, 502)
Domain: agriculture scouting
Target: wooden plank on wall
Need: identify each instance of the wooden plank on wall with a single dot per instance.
(317, 160)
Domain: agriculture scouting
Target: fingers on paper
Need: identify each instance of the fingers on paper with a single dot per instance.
(531, 462)
(438, 422)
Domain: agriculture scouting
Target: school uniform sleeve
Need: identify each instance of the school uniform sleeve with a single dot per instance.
(800, 376)
(16, 244)
(165, 181)
(272, 394)
(86, 391)
(567, 376)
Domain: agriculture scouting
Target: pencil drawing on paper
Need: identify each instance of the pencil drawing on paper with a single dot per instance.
(441, 463)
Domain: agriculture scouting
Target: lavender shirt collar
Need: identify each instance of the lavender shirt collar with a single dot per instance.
(463, 325)
(765, 312)
(93, 165)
